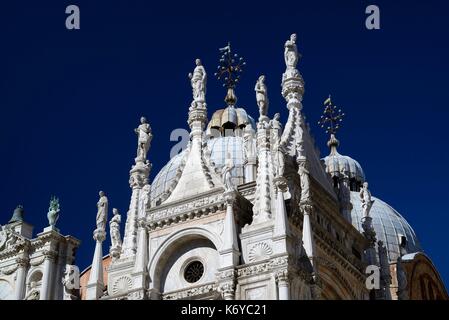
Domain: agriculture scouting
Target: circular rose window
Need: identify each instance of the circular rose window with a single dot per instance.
(193, 271)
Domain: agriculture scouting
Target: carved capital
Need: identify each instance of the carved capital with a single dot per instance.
(99, 235)
(22, 262)
(306, 207)
(138, 175)
(282, 276)
(230, 197)
(281, 183)
(50, 254)
(227, 288)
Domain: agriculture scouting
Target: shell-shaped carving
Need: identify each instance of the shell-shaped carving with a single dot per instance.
(121, 285)
(259, 251)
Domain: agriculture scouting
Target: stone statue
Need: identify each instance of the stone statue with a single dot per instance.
(144, 199)
(279, 160)
(278, 150)
(144, 140)
(249, 143)
(365, 197)
(291, 55)
(18, 214)
(102, 213)
(114, 226)
(33, 293)
(71, 282)
(304, 181)
(274, 123)
(226, 173)
(198, 81)
(261, 96)
(53, 211)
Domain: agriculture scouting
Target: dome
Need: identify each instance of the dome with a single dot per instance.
(218, 148)
(388, 224)
(337, 164)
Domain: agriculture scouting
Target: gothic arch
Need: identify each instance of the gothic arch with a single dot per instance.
(424, 281)
(335, 285)
(172, 245)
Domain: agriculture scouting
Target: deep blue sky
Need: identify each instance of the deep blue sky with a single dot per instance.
(69, 100)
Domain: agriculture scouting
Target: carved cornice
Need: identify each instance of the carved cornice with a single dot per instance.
(260, 268)
(187, 293)
(185, 209)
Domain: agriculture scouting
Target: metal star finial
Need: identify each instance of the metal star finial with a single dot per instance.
(331, 118)
(229, 71)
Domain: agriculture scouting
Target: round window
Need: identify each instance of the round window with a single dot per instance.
(193, 271)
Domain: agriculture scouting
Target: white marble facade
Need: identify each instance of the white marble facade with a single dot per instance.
(247, 211)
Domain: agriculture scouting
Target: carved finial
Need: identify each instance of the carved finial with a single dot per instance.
(53, 211)
(18, 214)
(331, 118)
(229, 70)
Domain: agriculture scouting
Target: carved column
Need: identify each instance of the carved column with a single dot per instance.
(23, 263)
(370, 235)
(47, 278)
(140, 273)
(250, 153)
(95, 285)
(230, 251)
(281, 229)
(307, 233)
(227, 283)
(262, 205)
(138, 179)
(283, 281)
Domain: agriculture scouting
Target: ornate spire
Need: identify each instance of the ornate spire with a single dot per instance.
(331, 118)
(229, 70)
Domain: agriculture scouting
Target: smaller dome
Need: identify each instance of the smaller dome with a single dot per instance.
(230, 117)
(337, 164)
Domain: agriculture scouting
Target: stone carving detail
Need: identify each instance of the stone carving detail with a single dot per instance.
(121, 285)
(259, 251)
(8, 271)
(53, 211)
(216, 201)
(190, 292)
(263, 267)
(34, 292)
(8, 238)
(71, 282)
(102, 213)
